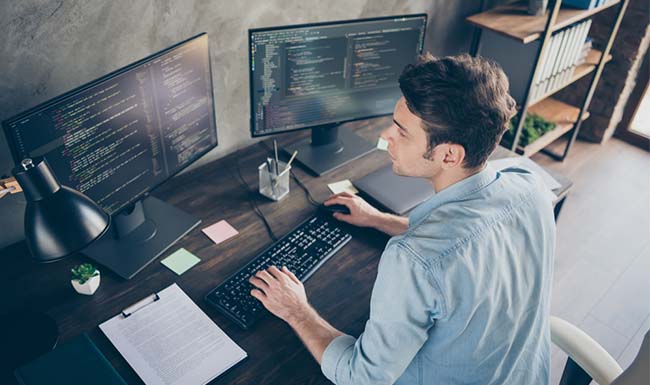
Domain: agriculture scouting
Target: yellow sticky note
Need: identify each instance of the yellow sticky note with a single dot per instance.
(342, 186)
(180, 261)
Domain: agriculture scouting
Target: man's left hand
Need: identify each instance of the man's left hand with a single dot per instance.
(281, 293)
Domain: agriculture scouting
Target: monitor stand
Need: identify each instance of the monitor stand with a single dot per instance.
(329, 148)
(139, 235)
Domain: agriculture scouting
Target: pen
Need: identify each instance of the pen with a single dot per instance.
(275, 150)
(271, 178)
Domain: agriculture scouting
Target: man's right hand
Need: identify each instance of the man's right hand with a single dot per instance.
(361, 212)
(364, 215)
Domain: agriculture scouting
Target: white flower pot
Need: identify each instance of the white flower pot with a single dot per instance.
(88, 288)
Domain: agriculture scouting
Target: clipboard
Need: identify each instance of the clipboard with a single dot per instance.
(140, 305)
(167, 339)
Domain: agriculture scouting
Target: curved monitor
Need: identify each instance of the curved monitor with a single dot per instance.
(118, 137)
(309, 75)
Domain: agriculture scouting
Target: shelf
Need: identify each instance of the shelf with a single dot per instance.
(581, 71)
(513, 21)
(562, 114)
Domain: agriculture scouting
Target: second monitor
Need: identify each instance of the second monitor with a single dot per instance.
(317, 76)
(117, 138)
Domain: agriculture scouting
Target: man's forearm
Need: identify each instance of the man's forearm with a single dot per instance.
(315, 332)
(391, 224)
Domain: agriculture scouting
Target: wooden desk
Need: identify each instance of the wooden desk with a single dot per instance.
(339, 290)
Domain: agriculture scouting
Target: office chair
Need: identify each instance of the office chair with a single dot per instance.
(588, 360)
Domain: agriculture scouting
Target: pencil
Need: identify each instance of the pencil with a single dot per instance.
(291, 160)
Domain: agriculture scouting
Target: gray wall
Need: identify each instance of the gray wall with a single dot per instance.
(50, 47)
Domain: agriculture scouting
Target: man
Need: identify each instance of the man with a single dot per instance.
(463, 286)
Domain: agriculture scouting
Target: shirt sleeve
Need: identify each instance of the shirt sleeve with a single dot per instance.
(403, 306)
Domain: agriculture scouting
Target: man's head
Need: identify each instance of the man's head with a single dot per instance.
(454, 111)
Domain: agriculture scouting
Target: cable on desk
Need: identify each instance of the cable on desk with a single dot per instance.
(251, 201)
(310, 198)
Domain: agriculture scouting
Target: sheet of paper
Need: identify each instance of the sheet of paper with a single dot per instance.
(171, 341)
(529, 165)
(343, 186)
(180, 261)
(220, 231)
(382, 144)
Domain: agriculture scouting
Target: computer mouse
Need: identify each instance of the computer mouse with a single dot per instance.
(336, 208)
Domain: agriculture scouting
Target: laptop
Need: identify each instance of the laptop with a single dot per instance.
(398, 194)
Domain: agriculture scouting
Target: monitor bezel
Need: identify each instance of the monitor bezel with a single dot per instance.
(11, 141)
(319, 24)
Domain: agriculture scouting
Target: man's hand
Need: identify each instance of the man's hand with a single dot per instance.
(281, 293)
(361, 212)
(364, 215)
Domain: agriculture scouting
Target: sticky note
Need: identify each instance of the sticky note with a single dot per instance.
(343, 186)
(220, 231)
(180, 261)
(382, 144)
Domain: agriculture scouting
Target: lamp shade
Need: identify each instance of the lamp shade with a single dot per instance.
(58, 220)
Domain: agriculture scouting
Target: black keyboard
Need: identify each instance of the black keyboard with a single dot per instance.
(303, 251)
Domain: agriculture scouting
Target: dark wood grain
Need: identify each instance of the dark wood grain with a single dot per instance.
(339, 290)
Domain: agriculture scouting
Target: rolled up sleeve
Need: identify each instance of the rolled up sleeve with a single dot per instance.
(404, 303)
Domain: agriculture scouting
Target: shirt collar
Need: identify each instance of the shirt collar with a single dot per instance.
(456, 191)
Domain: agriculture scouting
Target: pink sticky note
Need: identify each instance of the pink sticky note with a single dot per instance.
(220, 231)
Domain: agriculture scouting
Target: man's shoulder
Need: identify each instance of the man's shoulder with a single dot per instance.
(454, 224)
(428, 240)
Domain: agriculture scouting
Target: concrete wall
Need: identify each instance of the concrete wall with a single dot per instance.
(50, 47)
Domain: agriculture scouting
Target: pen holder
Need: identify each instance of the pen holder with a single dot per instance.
(274, 186)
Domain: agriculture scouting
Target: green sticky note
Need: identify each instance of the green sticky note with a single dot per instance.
(180, 261)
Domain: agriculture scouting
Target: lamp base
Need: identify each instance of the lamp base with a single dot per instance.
(24, 336)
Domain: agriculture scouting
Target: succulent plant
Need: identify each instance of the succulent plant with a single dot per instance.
(84, 272)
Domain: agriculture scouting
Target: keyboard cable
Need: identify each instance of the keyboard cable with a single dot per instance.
(251, 196)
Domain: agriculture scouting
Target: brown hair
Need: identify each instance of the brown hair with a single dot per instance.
(462, 100)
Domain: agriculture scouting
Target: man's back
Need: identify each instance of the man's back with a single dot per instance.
(491, 252)
(462, 297)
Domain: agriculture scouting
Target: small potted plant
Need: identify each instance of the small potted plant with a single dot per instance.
(85, 279)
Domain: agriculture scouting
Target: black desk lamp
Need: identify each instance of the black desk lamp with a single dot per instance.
(59, 221)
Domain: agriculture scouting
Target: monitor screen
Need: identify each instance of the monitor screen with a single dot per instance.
(118, 137)
(309, 75)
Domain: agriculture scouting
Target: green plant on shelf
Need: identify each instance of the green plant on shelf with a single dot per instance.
(534, 127)
(84, 272)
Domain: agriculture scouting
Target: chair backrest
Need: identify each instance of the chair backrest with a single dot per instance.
(638, 373)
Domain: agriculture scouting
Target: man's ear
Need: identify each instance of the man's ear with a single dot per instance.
(453, 155)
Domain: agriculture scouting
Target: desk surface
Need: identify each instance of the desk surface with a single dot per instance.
(339, 290)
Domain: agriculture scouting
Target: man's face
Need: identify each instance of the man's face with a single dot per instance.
(407, 144)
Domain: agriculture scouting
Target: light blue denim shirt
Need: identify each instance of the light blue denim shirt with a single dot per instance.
(463, 296)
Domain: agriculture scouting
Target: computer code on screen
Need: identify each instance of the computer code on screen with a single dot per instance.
(123, 135)
(305, 76)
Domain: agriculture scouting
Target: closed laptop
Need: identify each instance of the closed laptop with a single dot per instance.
(399, 194)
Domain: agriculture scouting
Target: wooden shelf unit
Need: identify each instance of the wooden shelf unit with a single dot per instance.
(562, 114)
(581, 71)
(513, 21)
